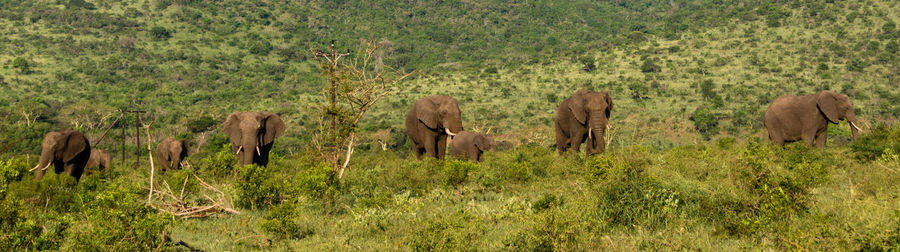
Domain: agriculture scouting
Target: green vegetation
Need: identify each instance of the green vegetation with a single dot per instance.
(688, 167)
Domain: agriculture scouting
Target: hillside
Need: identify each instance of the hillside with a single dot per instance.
(688, 166)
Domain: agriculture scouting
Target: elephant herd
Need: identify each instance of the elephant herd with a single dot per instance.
(583, 117)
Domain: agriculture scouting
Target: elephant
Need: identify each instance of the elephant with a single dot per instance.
(471, 145)
(99, 158)
(252, 135)
(584, 116)
(430, 121)
(170, 153)
(792, 118)
(67, 150)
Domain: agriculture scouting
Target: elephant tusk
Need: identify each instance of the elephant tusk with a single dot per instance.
(239, 150)
(257, 151)
(854, 126)
(45, 167)
(590, 134)
(448, 132)
(35, 167)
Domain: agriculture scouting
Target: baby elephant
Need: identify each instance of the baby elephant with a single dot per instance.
(100, 159)
(471, 145)
(170, 153)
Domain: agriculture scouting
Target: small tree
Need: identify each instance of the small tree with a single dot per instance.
(351, 91)
(22, 64)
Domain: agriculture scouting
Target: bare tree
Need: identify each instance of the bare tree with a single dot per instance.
(353, 89)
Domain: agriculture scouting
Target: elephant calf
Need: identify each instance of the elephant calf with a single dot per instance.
(471, 145)
(791, 118)
(170, 153)
(100, 159)
(67, 150)
(584, 116)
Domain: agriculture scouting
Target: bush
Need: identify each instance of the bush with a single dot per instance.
(519, 171)
(874, 144)
(22, 64)
(706, 122)
(628, 196)
(457, 172)
(221, 163)
(282, 222)
(160, 33)
(258, 188)
(778, 185)
(449, 232)
(118, 220)
(317, 181)
(650, 66)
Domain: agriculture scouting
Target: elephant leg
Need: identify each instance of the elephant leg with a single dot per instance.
(575, 143)
(431, 146)
(809, 139)
(419, 151)
(441, 146)
(561, 140)
(821, 138)
(473, 154)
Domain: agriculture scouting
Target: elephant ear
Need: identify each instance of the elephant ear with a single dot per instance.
(609, 103)
(274, 128)
(233, 128)
(75, 144)
(828, 104)
(184, 146)
(428, 116)
(481, 141)
(576, 105)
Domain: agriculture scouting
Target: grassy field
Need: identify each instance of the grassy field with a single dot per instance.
(688, 167)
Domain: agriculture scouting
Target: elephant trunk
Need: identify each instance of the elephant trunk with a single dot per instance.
(247, 150)
(596, 126)
(854, 129)
(43, 164)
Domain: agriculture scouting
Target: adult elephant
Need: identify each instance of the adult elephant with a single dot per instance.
(67, 150)
(471, 145)
(170, 153)
(430, 121)
(99, 158)
(583, 117)
(792, 118)
(252, 135)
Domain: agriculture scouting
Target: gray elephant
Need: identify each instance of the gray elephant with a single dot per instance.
(67, 150)
(99, 158)
(252, 135)
(471, 145)
(170, 153)
(583, 117)
(430, 121)
(792, 118)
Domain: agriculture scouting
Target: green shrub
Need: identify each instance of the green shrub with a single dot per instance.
(118, 220)
(875, 143)
(258, 188)
(519, 171)
(448, 232)
(778, 185)
(281, 221)
(160, 33)
(317, 181)
(11, 171)
(628, 196)
(545, 202)
(457, 172)
(221, 163)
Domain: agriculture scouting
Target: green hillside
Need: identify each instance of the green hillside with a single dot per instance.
(688, 168)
